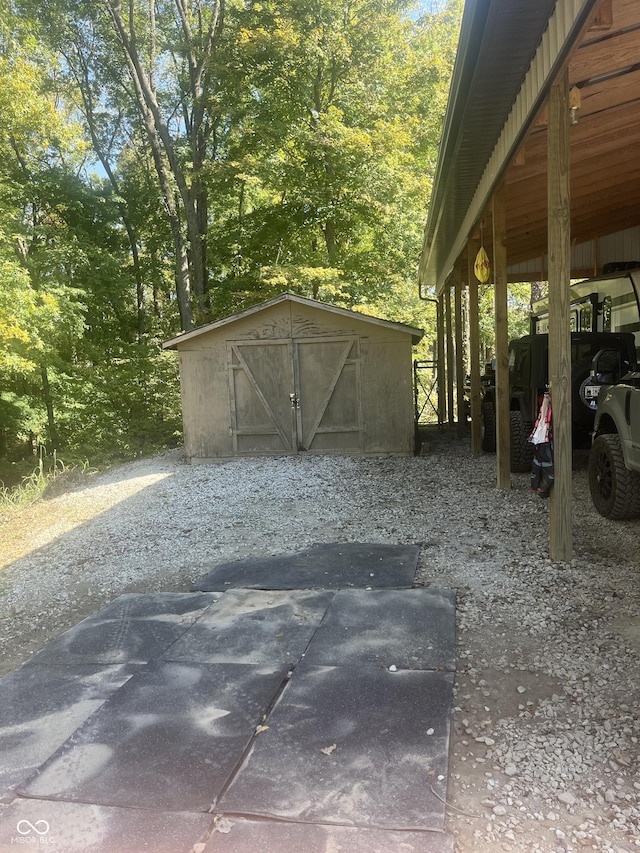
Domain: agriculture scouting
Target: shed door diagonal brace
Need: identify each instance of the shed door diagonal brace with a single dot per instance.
(295, 395)
(332, 363)
(264, 376)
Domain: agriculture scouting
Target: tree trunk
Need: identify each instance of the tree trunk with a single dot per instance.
(48, 401)
(82, 79)
(330, 241)
(189, 271)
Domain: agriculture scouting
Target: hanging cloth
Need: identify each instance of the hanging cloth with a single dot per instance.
(542, 472)
(542, 428)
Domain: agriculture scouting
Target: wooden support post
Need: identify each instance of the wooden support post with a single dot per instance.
(559, 250)
(503, 423)
(459, 331)
(474, 349)
(451, 366)
(441, 364)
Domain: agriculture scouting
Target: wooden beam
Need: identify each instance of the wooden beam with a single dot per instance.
(559, 243)
(503, 425)
(451, 364)
(603, 19)
(441, 366)
(592, 61)
(474, 349)
(459, 339)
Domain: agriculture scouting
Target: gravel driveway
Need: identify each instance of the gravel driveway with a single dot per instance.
(545, 742)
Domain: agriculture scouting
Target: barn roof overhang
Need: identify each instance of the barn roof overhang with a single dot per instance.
(174, 343)
(509, 55)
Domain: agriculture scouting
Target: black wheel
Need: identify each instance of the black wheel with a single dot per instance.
(488, 427)
(521, 448)
(615, 491)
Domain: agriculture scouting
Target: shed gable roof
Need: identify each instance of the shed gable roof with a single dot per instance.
(173, 343)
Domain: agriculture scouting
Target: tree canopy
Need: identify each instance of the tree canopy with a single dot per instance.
(165, 163)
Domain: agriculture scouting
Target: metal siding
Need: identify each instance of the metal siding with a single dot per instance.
(514, 65)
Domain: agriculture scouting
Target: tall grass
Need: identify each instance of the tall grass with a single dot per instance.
(51, 476)
(28, 491)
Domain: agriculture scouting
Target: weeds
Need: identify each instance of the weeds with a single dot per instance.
(51, 477)
(29, 490)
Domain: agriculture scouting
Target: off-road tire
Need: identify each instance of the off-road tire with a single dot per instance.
(615, 491)
(521, 447)
(488, 414)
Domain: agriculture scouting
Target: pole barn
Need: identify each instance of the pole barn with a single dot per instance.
(538, 163)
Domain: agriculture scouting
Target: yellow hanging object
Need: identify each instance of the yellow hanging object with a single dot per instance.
(481, 266)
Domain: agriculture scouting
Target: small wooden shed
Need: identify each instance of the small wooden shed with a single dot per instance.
(295, 375)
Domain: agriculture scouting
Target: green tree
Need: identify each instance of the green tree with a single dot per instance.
(38, 138)
(329, 170)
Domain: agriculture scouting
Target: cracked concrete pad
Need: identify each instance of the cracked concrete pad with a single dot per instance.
(410, 629)
(254, 627)
(88, 828)
(40, 707)
(133, 628)
(234, 835)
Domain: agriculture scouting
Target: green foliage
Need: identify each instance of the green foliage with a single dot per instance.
(21, 485)
(518, 306)
(301, 158)
(331, 164)
(30, 488)
(122, 407)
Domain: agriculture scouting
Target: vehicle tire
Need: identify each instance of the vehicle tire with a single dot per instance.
(488, 427)
(521, 447)
(615, 491)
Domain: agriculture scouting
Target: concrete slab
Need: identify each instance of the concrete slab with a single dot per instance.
(40, 707)
(351, 745)
(411, 629)
(256, 836)
(254, 627)
(168, 739)
(134, 628)
(324, 566)
(87, 828)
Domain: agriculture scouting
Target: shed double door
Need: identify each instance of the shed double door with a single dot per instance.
(290, 395)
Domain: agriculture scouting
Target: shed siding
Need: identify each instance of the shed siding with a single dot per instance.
(205, 403)
(388, 397)
(357, 375)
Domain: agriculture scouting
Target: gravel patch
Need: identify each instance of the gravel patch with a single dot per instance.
(545, 734)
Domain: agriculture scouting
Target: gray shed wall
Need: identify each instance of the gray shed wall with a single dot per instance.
(378, 369)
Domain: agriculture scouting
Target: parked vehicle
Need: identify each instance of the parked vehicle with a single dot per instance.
(614, 460)
(529, 377)
(607, 303)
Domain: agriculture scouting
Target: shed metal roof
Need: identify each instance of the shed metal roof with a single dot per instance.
(174, 343)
